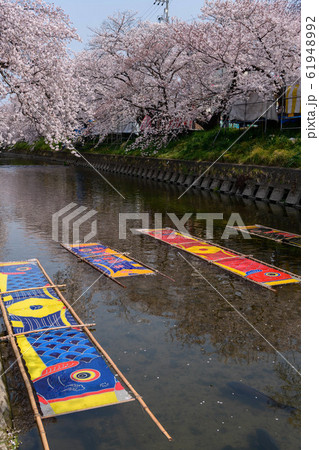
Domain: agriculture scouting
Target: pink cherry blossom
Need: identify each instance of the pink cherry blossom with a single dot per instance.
(170, 74)
(36, 71)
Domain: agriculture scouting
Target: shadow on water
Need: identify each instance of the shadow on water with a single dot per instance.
(256, 398)
(260, 440)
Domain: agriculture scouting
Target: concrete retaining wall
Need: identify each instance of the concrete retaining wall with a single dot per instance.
(273, 184)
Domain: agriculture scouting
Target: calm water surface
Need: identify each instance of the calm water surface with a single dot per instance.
(180, 344)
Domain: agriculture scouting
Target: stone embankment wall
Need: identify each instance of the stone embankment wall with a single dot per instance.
(273, 184)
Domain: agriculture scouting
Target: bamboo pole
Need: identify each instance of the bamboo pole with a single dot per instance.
(109, 359)
(285, 241)
(43, 330)
(94, 267)
(26, 380)
(33, 288)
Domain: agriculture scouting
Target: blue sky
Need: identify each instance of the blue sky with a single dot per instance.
(87, 14)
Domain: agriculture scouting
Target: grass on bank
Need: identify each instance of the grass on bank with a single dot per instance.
(274, 148)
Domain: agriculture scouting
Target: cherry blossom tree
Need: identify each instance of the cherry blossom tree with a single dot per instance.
(99, 68)
(14, 126)
(170, 73)
(179, 72)
(137, 72)
(36, 71)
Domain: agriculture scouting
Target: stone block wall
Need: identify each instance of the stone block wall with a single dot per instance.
(273, 184)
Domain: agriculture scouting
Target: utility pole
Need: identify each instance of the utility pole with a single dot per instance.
(166, 11)
(165, 16)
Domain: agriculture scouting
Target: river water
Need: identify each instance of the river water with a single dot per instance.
(179, 343)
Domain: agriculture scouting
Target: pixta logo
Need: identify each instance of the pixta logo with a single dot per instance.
(70, 226)
(179, 223)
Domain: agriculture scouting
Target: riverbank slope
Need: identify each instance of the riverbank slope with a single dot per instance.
(255, 147)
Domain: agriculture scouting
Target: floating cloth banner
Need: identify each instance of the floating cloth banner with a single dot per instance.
(272, 233)
(110, 262)
(247, 267)
(67, 371)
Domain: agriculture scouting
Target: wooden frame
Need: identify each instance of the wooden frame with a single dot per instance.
(108, 358)
(226, 249)
(109, 276)
(33, 288)
(44, 330)
(280, 241)
(11, 336)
